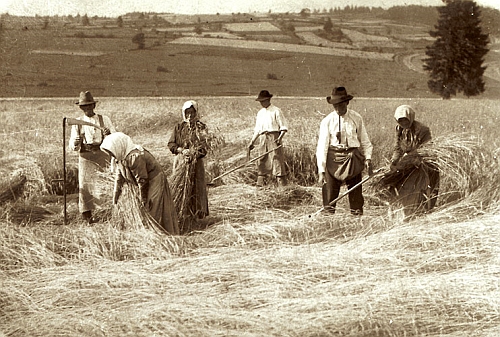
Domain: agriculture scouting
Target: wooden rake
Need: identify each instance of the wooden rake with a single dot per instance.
(242, 165)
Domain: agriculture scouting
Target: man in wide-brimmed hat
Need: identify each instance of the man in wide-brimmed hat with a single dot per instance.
(344, 150)
(87, 140)
(271, 125)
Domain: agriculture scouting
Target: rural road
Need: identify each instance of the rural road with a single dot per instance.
(414, 62)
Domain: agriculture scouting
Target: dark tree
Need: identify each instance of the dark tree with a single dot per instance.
(305, 12)
(140, 40)
(85, 20)
(455, 58)
(328, 25)
(119, 21)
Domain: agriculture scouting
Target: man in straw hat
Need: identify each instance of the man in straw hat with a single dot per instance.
(86, 140)
(270, 124)
(344, 150)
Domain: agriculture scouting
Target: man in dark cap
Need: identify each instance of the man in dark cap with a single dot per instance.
(344, 150)
(271, 125)
(87, 140)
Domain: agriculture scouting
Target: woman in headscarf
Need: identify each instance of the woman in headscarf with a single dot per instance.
(188, 144)
(137, 166)
(414, 181)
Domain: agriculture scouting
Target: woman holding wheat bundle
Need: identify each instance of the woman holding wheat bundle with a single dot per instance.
(138, 167)
(413, 178)
(188, 144)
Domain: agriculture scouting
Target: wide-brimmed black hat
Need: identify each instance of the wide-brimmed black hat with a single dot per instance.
(85, 98)
(339, 95)
(263, 95)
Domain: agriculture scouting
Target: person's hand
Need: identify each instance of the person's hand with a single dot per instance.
(78, 141)
(106, 131)
(321, 179)
(394, 165)
(369, 167)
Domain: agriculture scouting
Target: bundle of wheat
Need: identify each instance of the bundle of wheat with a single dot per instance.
(12, 189)
(460, 160)
(129, 213)
(24, 212)
(182, 183)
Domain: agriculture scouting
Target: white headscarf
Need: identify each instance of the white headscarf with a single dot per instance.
(186, 106)
(120, 145)
(405, 111)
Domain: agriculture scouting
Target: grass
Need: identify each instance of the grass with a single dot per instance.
(259, 265)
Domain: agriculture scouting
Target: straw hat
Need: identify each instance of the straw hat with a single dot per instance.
(85, 98)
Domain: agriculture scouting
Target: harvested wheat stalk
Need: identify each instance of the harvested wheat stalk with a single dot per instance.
(182, 189)
(12, 189)
(130, 214)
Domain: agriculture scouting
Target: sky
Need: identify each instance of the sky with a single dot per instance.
(114, 8)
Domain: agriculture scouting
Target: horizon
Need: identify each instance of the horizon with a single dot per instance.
(115, 8)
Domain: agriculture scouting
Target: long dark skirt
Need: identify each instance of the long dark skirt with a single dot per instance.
(161, 205)
(415, 188)
(197, 196)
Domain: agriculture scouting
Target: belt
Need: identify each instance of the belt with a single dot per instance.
(90, 147)
(269, 132)
(341, 149)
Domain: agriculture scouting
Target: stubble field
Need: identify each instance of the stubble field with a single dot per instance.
(259, 265)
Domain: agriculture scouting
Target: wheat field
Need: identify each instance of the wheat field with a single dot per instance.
(260, 265)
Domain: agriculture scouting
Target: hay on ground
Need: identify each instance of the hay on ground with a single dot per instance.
(460, 160)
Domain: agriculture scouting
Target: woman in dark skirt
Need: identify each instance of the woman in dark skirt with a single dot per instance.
(413, 181)
(188, 144)
(138, 167)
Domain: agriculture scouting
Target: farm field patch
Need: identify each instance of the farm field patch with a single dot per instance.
(176, 60)
(282, 47)
(252, 27)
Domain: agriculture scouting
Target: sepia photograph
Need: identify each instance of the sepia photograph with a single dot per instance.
(246, 168)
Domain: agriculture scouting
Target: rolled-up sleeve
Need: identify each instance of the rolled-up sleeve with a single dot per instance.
(323, 144)
(366, 144)
(108, 123)
(74, 133)
(281, 120)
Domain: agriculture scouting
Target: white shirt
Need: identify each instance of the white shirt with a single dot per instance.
(89, 134)
(269, 119)
(352, 131)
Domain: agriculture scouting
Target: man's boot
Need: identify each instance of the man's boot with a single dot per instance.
(281, 181)
(87, 216)
(260, 181)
